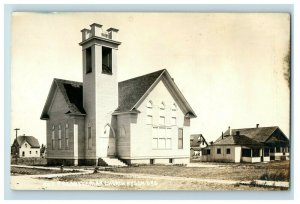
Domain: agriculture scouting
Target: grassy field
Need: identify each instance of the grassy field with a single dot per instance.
(15, 171)
(240, 172)
(181, 177)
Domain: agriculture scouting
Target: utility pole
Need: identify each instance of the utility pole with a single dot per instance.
(16, 129)
(16, 147)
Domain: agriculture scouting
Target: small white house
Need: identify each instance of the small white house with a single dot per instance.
(26, 146)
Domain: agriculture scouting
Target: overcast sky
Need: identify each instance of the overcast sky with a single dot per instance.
(230, 67)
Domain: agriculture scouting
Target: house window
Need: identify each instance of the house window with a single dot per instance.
(149, 113)
(53, 137)
(246, 152)
(26, 145)
(29, 152)
(59, 137)
(106, 60)
(208, 151)
(36, 152)
(266, 152)
(180, 138)
(228, 151)
(67, 136)
(88, 60)
(23, 154)
(255, 153)
(219, 151)
(162, 114)
(173, 117)
(89, 138)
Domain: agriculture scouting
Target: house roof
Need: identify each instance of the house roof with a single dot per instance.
(237, 140)
(131, 93)
(72, 93)
(260, 134)
(32, 141)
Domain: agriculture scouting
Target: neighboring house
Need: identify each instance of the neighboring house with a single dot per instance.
(26, 146)
(260, 144)
(141, 120)
(197, 143)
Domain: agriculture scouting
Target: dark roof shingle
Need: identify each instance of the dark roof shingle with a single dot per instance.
(237, 140)
(130, 91)
(32, 141)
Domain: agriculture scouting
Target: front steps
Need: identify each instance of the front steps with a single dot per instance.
(107, 161)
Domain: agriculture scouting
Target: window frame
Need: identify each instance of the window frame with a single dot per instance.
(53, 138)
(59, 138)
(219, 151)
(180, 138)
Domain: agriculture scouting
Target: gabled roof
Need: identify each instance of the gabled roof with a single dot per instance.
(72, 93)
(260, 134)
(32, 141)
(132, 90)
(237, 140)
(131, 93)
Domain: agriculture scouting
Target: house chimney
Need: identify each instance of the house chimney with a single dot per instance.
(238, 133)
(257, 125)
(222, 135)
(229, 130)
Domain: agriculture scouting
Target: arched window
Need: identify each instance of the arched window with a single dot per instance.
(162, 113)
(149, 113)
(174, 114)
(53, 137)
(59, 137)
(67, 136)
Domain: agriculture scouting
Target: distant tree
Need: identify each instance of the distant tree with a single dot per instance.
(287, 67)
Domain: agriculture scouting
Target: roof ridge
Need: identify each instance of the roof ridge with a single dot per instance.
(142, 75)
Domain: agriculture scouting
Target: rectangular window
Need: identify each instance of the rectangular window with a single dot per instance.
(180, 138)
(255, 153)
(162, 120)
(67, 136)
(227, 151)
(88, 60)
(246, 152)
(173, 121)
(36, 152)
(149, 120)
(29, 152)
(266, 152)
(89, 138)
(59, 137)
(218, 150)
(208, 151)
(53, 139)
(162, 143)
(106, 60)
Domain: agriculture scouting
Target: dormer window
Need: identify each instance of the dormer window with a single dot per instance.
(106, 60)
(88, 60)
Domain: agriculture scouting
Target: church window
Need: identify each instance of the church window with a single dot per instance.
(180, 138)
(88, 60)
(106, 60)
(149, 113)
(67, 136)
(162, 114)
(173, 117)
(53, 137)
(59, 137)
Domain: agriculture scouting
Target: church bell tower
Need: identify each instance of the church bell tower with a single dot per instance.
(100, 87)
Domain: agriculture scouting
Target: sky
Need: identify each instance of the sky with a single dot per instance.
(229, 66)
